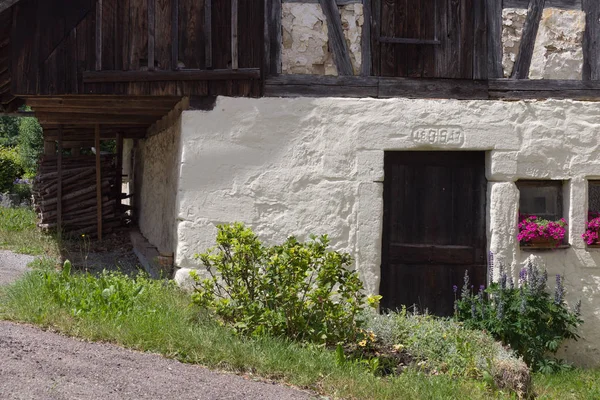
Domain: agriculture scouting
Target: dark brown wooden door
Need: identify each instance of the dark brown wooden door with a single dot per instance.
(434, 227)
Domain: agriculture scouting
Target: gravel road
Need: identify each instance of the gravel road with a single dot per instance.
(35, 364)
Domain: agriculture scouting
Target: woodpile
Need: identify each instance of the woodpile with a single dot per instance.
(79, 195)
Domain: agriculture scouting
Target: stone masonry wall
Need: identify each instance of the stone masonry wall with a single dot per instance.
(158, 158)
(302, 166)
(558, 52)
(305, 42)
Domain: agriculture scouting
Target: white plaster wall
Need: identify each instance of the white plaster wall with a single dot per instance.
(302, 166)
(558, 50)
(160, 159)
(305, 47)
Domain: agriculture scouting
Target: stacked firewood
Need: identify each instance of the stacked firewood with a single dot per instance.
(79, 196)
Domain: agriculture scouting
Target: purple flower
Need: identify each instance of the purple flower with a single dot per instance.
(522, 276)
(481, 288)
(455, 288)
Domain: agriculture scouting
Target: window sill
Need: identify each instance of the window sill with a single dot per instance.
(541, 248)
(593, 246)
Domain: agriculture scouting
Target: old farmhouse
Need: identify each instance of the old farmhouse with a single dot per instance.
(413, 132)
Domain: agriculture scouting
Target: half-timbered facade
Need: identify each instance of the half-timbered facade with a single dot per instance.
(413, 132)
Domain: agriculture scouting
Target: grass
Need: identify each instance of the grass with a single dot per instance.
(161, 320)
(18, 233)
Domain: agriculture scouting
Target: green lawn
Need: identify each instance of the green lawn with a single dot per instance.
(18, 233)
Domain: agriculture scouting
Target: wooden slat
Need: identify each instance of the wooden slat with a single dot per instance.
(99, 35)
(394, 40)
(59, 183)
(563, 4)
(337, 41)
(530, 30)
(433, 88)
(98, 180)
(161, 76)
(151, 33)
(367, 61)
(321, 86)
(119, 167)
(234, 34)
(494, 37)
(480, 43)
(208, 33)
(275, 36)
(175, 35)
(591, 40)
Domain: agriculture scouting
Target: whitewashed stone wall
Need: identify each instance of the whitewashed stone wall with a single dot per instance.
(305, 47)
(302, 166)
(558, 51)
(158, 158)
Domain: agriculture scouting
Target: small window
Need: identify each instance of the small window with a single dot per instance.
(593, 199)
(542, 199)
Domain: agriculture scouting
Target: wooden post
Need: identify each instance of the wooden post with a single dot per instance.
(530, 31)
(208, 32)
(175, 35)
(98, 35)
(119, 167)
(59, 183)
(337, 41)
(493, 10)
(98, 180)
(151, 33)
(591, 41)
(366, 40)
(234, 35)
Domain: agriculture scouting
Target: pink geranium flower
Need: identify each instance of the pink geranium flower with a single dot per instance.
(532, 227)
(593, 227)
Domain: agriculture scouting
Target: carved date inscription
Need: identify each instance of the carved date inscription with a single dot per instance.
(438, 135)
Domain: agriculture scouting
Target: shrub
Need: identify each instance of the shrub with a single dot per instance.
(443, 346)
(9, 168)
(526, 317)
(31, 144)
(298, 290)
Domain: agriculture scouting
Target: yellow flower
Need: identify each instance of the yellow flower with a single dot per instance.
(362, 343)
(398, 347)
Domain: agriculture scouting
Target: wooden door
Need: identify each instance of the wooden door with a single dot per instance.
(434, 228)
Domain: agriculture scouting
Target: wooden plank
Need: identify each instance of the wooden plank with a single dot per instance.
(275, 36)
(98, 180)
(433, 88)
(175, 35)
(151, 33)
(394, 40)
(162, 76)
(99, 35)
(530, 30)
(591, 40)
(119, 168)
(375, 34)
(208, 33)
(337, 41)
(59, 183)
(367, 61)
(563, 4)
(494, 38)
(234, 34)
(480, 43)
(321, 86)
(338, 2)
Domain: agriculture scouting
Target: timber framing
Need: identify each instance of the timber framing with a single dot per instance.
(493, 89)
(530, 31)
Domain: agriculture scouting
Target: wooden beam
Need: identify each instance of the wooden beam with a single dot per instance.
(98, 35)
(480, 42)
(151, 33)
(165, 76)
(59, 183)
(366, 61)
(234, 34)
(493, 10)
(175, 35)
(563, 4)
(98, 180)
(275, 36)
(530, 30)
(591, 40)
(208, 32)
(337, 41)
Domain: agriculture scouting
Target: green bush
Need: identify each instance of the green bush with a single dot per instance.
(30, 144)
(524, 316)
(298, 290)
(10, 168)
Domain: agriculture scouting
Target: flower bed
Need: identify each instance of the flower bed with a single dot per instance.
(541, 233)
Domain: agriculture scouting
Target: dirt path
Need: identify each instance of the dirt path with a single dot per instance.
(42, 365)
(12, 266)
